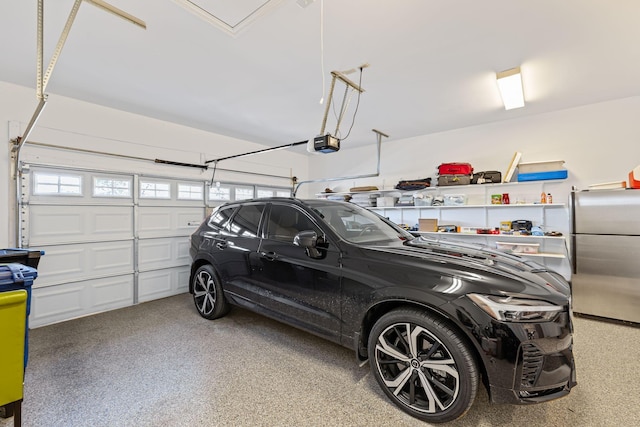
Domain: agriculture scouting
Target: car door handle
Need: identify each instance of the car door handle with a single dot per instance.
(269, 256)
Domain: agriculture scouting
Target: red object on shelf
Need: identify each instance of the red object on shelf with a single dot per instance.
(634, 178)
(455, 169)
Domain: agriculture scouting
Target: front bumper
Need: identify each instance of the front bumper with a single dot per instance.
(544, 370)
(523, 362)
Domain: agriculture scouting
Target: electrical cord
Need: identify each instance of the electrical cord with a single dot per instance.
(357, 105)
(322, 49)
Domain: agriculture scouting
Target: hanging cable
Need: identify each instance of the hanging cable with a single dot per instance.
(357, 105)
(213, 175)
(322, 49)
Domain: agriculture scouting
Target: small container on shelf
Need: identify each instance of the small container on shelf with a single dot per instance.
(455, 199)
(421, 199)
(519, 248)
(386, 201)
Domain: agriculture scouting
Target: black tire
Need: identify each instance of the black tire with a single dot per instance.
(207, 294)
(432, 375)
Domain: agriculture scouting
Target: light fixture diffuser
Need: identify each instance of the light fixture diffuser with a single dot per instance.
(510, 86)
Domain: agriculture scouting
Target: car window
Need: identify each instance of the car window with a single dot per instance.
(286, 221)
(358, 225)
(219, 219)
(247, 220)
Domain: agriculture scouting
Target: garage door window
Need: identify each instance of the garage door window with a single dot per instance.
(57, 184)
(271, 192)
(155, 190)
(190, 192)
(264, 193)
(219, 193)
(109, 187)
(243, 193)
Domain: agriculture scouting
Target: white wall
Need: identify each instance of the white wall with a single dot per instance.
(73, 123)
(599, 143)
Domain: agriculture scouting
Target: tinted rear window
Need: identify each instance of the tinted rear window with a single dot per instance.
(247, 220)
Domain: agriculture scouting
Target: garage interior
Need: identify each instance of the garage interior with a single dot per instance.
(123, 164)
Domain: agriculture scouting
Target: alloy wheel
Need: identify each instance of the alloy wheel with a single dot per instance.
(417, 368)
(204, 293)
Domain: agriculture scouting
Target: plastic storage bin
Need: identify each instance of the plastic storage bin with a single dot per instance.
(14, 277)
(518, 248)
(13, 309)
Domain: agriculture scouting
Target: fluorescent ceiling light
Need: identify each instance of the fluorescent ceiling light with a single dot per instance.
(510, 85)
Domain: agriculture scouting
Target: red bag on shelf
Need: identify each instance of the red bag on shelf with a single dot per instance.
(455, 169)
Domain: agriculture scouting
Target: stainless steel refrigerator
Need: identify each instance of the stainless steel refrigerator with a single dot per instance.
(606, 253)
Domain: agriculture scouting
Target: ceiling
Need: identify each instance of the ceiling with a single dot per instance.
(253, 69)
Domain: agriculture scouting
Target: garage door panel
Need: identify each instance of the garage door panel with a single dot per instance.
(152, 223)
(189, 220)
(50, 224)
(182, 284)
(62, 302)
(53, 225)
(112, 292)
(183, 255)
(162, 283)
(108, 223)
(163, 253)
(112, 257)
(60, 263)
(84, 261)
(164, 221)
(56, 303)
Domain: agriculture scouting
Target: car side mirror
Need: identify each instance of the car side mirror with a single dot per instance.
(310, 241)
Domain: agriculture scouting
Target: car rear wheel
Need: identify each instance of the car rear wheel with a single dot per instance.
(423, 365)
(207, 294)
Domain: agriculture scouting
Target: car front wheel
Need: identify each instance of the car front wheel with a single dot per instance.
(207, 294)
(423, 365)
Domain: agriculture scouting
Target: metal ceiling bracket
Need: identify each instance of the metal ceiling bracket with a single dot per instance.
(118, 12)
(336, 75)
(61, 41)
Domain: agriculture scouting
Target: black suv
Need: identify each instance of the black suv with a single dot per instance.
(432, 317)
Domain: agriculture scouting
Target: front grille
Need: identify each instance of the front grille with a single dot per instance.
(532, 360)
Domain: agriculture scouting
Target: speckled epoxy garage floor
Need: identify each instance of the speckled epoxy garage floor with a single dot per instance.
(161, 364)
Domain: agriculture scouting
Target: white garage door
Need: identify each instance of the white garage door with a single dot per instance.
(111, 240)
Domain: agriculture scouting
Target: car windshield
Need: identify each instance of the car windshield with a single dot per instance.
(359, 225)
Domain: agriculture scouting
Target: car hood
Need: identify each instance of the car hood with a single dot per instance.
(479, 268)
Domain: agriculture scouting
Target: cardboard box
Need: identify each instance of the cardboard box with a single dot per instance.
(425, 224)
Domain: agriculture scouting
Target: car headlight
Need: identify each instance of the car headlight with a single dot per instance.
(510, 309)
